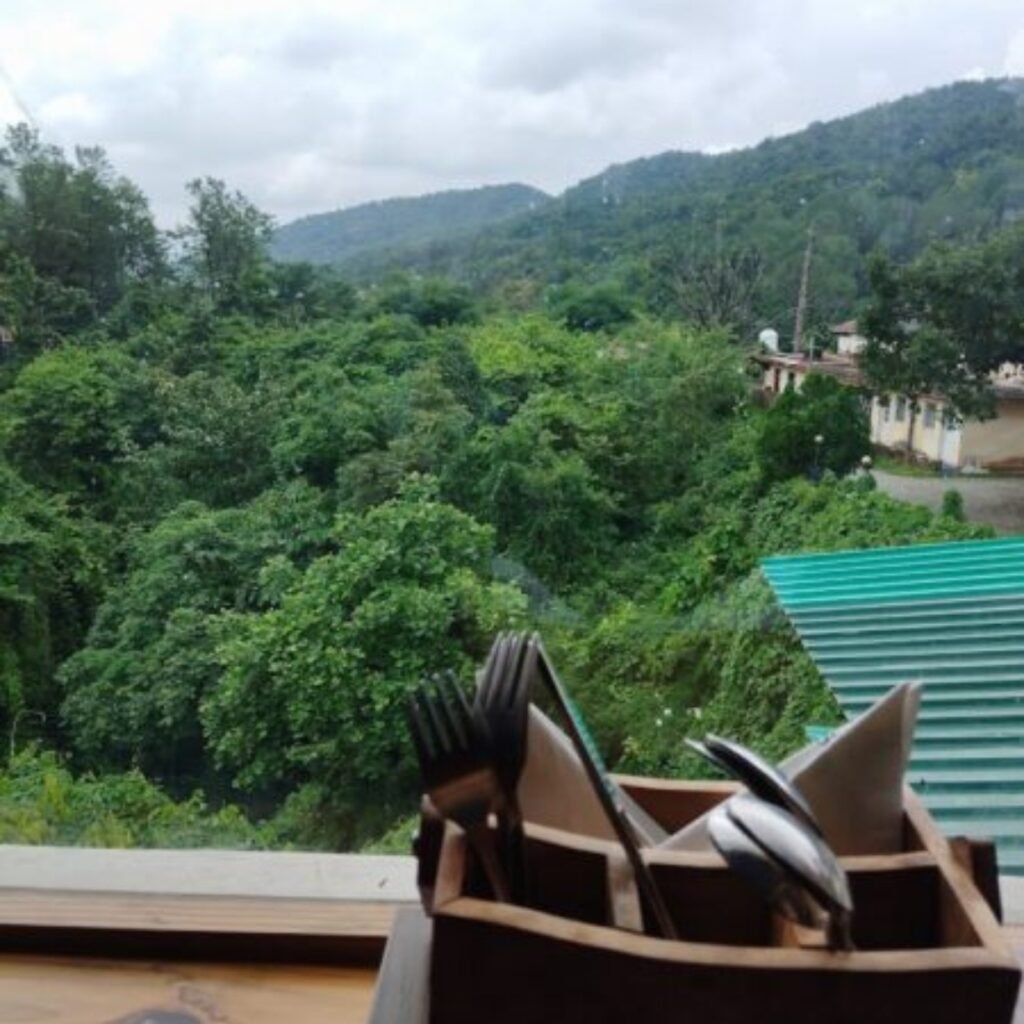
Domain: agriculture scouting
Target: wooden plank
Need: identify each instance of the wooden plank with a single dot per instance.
(403, 985)
(636, 978)
(979, 858)
(965, 915)
(88, 991)
(952, 959)
(204, 872)
(674, 803)
(206, 927)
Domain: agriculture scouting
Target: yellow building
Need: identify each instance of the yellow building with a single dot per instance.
(970, 444)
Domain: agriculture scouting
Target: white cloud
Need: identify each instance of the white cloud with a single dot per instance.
(1014, 64)
(323, 103)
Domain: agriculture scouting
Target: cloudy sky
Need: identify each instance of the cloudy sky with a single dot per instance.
(308, 105)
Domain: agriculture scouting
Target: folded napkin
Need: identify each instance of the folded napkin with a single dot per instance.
(554, 789)
(853, 781)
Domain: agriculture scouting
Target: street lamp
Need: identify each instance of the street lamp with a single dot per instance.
(819, 440)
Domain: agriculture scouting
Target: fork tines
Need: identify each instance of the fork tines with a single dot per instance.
(446, 738)
(453, 749)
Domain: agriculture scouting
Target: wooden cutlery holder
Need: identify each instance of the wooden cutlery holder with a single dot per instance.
(929, 947)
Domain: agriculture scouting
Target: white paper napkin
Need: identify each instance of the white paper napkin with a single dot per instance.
(853, 781)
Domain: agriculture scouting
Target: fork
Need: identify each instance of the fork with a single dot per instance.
(503, 700)
(456, 763)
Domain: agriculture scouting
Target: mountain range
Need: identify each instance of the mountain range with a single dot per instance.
(946, 164)
(343, 235)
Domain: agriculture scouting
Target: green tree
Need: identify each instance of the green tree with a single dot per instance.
(213, 446)
(822, 409)
(333, 417)
(531, 480)
(953, 505)
(602, 307)
(431, 302)
(943, 323)
(52, 570)
(663, 397)
(72, 417)
(39, 311)
(518, 356)
(716, 289)
(302, 291)
(315, 689)
(133, 691)
(42, 802)
(224, 244)
(76, 222)
(428, 428)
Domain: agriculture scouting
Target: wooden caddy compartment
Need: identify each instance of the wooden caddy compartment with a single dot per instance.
(929, 947)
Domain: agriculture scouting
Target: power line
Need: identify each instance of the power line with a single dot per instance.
(16, 96)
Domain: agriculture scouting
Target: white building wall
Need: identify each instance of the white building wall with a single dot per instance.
(956, 445)
(934, 440)
(998, 441)
(851, 344)
(783, 379)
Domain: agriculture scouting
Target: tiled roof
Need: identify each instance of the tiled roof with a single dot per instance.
(828, 363)
(951, 615)
(846, 327)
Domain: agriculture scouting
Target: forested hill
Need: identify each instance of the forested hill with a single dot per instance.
(335, 238)
(948, 163)
(246, 507)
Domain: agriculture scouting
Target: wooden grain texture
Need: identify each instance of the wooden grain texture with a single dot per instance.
(965, 916)
(72, 991)
(674, 803)
(979, 859)
(201, 927)
(930, 950)
(573, 979)
(87, 991)
(403, 992)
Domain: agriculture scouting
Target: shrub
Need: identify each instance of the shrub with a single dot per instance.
(824, 409)
(953, 505)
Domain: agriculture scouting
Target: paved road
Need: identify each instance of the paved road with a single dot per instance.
(997, 501)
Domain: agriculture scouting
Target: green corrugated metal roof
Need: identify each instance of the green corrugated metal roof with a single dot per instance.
(951, 615)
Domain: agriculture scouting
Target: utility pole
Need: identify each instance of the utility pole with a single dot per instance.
(801, 302)
(27, 713)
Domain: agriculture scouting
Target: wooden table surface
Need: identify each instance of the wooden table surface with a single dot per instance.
(82, 991)
(76, 990)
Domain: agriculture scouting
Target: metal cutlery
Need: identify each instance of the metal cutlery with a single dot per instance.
(503, 701)
(802, 855)
(609, 796)
(758, 775)
(761, 871)
(457, 765)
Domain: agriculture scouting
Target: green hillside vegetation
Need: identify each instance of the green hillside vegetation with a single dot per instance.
(944, 165)
(339, 237)
(246, 506)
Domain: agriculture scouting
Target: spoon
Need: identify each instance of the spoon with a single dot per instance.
(761, 872)
(760, 777)
(803, 855)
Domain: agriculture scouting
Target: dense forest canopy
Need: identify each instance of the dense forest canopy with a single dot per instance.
(944, 165)
(339, 237)
(245, 506)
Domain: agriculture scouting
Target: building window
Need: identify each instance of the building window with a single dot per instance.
(901, 409)
(790, 379)
(929, 415)
(886, 406)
